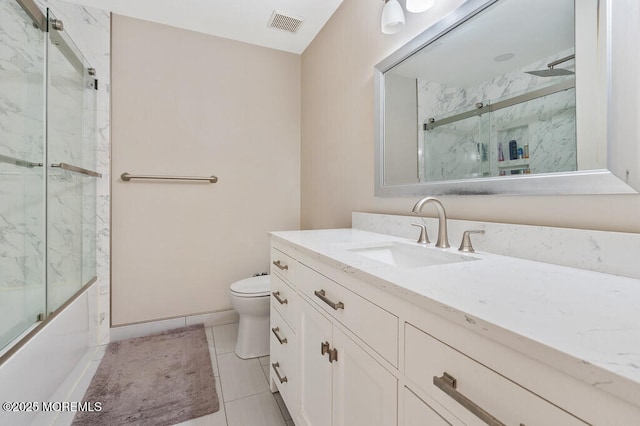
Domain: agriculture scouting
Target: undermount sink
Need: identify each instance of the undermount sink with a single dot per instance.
(409, 256)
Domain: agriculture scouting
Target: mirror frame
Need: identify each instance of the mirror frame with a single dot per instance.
(622, 175)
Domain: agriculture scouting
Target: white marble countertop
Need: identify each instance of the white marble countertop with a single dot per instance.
(584, 323)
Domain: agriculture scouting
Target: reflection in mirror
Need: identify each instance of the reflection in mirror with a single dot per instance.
(500, 91)
(499, 108)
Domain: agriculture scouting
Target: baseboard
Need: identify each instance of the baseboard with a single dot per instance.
(211, 319)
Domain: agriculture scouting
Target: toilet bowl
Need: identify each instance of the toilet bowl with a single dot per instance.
(250, 298)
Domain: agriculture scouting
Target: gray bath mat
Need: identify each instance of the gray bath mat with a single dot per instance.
(162, 379)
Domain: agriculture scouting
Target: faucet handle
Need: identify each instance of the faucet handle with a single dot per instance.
(465, 245)
(422, 239)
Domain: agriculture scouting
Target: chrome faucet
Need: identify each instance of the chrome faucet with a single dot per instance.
(443, 241)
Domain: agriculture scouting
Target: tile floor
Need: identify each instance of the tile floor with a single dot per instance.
(242, 386)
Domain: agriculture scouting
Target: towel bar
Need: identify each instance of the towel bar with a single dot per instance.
(127, 177)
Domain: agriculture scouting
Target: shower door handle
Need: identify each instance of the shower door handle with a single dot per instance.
(76, 169)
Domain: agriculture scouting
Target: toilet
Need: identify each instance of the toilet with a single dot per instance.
(250, 298)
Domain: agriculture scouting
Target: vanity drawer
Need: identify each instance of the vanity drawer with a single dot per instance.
(419, 413)
(283, 265)
(282, 358)
(284, 300)
(426, 362)
(375, 326)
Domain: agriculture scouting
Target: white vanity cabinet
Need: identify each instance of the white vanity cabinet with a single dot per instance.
(333, 380)
(360, 353)
(341, 384)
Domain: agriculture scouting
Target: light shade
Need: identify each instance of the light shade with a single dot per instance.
(419, 6)
(392, 17)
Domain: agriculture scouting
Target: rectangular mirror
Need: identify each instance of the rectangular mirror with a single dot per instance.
(504, 97)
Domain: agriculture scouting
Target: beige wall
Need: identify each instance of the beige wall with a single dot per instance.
(337, 137)
(185, 103)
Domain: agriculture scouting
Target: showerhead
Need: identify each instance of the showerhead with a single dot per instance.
(553, 72)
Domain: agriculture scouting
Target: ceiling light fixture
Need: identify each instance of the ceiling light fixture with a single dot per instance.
(419, 6)
(392, 17)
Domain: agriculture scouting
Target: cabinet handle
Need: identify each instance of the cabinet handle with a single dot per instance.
(324, 348)
(321, 295)
(280, 339)
(280, 265)
(276, 294)
(333, 353)
(275, 366)
(447, 384)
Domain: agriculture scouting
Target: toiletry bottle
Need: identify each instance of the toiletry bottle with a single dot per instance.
(520, 153)
(526, 150)
(500, 153)
(513, 150)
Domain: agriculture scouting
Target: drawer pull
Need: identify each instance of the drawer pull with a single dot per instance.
(321, 295)
(275, 366)
(280, 339)
(333, 353)
(447, 384)
(280, 265)
(276, 294)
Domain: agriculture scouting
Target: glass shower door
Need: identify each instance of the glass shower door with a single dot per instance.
(457, 149)
(22, 140)
(71, 188)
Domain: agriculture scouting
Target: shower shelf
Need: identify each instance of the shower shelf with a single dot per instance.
(514, 164)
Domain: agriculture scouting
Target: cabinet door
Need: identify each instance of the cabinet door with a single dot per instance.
(315, 368)
(364, 392)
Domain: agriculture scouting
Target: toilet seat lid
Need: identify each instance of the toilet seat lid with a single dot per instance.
(252, 287)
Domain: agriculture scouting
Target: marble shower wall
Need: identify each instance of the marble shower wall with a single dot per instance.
(469, 148)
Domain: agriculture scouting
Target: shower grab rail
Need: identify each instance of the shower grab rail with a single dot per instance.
(127, 177)
(76, 169)
(482, 108)
(18, 162)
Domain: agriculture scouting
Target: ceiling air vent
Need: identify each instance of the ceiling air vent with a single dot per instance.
(284, 22)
